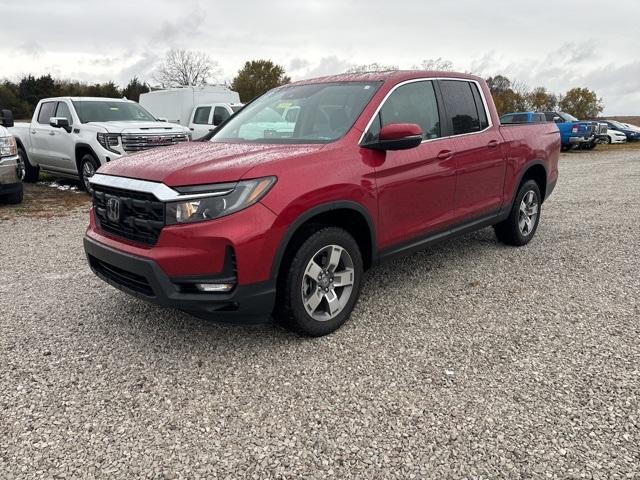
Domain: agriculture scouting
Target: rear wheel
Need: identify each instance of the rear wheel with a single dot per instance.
(88, 167)
(609, 141)
(28, 172)
(322, 283)
(521, 225)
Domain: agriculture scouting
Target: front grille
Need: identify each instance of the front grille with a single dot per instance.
(127, 279)
(590, 128)
(602, 129)
(137, 142)
(141, 215)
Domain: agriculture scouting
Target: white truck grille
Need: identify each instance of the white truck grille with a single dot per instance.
(137, 142)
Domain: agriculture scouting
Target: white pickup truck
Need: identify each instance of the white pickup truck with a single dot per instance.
(74, 136)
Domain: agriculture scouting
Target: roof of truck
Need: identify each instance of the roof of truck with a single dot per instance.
(89, 99)
(393, 75)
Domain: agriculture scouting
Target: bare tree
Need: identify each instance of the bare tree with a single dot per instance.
(182, 68)
(371, 67)
(436, 64)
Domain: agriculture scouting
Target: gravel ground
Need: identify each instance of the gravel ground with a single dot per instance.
(469, 360)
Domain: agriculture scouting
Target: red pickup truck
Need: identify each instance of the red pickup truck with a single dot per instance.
(288, 203)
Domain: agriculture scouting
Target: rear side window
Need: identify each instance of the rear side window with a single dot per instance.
(461, 106)
(63, 112)
(220, 114)
(410, 103)
(482, 112)
(47, 110)
(201, 117)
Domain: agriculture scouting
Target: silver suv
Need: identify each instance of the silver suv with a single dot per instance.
(11, 168)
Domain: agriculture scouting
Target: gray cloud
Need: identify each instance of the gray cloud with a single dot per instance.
(96, 41)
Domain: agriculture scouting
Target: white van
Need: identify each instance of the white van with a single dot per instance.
(195, 107)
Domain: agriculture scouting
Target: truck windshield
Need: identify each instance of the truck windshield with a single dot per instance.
(568, 118)
(105, 111)
(313, 113)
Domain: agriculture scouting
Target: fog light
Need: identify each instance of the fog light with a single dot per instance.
(214, 287)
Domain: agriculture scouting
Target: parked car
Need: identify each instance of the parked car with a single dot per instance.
(10, 167)
(205, 118)
(378, 165)
(74, 136)
(614, 136)
(578, 133)
(200, 108)
(632, 135)
(635, 128)
(523, 117)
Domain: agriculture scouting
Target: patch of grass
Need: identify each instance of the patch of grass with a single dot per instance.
(45, 201)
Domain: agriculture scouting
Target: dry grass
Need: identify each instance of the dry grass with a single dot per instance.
(46, 200)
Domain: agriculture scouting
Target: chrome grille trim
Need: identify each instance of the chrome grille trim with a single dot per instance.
(135, 142)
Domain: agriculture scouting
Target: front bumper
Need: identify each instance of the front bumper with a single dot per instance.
(143, 278)
(9, 171)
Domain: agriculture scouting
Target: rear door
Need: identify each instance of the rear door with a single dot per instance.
(479, 149)
(40, 134)
(416, 186)
(61, 143)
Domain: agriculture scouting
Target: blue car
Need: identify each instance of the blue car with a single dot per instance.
(632, 135)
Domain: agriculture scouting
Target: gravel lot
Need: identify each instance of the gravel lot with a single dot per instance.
(469, 360)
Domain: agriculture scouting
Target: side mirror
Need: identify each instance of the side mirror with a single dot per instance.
(7, 118)
(398, 136)
(60, 122)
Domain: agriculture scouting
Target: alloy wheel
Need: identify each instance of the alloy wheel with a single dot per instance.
(528, 213)
(21, 169)
(327, 283)
(88, 170)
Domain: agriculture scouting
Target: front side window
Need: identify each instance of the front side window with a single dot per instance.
(413, 102)
(106, 111)
(47, 110)
(461, 107)
(220, 114)
(201, 116)
(326, 111)
(63, 112)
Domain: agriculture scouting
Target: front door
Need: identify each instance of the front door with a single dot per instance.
(415, 187)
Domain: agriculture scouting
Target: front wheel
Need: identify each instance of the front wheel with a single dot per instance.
(16, 197)
(26, 171)
(88, 167)
(322, 284)
(521, 225)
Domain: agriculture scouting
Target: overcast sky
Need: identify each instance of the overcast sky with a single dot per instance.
(558, 44)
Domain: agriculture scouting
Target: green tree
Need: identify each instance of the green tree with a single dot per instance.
(258, 77)
(582, 103)
(508, 96)
(541, 100)
(134, 89)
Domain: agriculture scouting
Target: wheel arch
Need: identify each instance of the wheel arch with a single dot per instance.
(537, 172)
(80, 150)
(349, 215)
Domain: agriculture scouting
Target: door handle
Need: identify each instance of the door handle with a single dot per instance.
(492, 144)
(445, 154)
(191, 128)
(34, 131)
(52, 133)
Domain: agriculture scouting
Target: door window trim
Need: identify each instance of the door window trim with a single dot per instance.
(433, 79)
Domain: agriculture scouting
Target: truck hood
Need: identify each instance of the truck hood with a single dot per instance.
(198, 163)
(139, 127)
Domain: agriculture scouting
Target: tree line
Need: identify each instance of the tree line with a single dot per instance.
(185, 67)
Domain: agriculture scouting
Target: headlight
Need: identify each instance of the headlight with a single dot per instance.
(8, 147)
(243, 195)
(108, 140)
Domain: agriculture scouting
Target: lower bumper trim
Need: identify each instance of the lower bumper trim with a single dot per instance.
(143, 278)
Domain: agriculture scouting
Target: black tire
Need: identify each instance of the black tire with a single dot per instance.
(609, 141)
(290, 307)
(15, 197)
(591, 146)
(31, 173)
(91, 164)
(510, 231)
